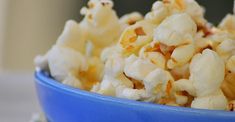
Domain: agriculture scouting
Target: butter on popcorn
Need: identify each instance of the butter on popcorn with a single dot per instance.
(135, 36)
(159, 82)
(177, 31)
(170, 56)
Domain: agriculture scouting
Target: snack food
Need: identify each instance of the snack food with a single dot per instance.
(172, 56)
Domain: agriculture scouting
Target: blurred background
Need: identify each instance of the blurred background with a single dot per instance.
(31, 27)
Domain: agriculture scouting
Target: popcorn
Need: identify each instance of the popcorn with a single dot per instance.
(190, 7)
(156, 58)
(228, 86)
(175, 30)
(158, 81)
(228, 23)
(93, 74)
(206, 72)
(114, 66)
(185, 85)
(171, 56)
(195, 11)
(170, 33)
(138, 68)
(135, 36)
(100, 23)
(71, 80)
(41, 62)
(202, 43)
(181, 99)
(184, 91)
(216, 101)
(73, 37)
(230, 65)
(226, 49)
(132, 94)
(130, 19)
(181, 72)
(108, 52)
(181, 56)
(107, 87)
(63, 61)
(159, 12)
(150, 53)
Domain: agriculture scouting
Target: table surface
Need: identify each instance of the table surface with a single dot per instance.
(18, 100)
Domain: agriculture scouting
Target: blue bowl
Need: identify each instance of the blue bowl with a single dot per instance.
(62, 103)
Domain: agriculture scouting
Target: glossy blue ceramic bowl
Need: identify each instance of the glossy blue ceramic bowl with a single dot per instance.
(62, 103)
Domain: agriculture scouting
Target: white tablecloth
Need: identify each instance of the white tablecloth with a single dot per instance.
(18, 100)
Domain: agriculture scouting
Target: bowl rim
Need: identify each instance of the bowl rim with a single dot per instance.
(43, 78)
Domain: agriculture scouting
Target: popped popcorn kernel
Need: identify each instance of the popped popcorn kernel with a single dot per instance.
(207, 72)
(175, 30)
(170, 56)
(215, 101)
(135, 36)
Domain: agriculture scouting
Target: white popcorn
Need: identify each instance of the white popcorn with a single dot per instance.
(230, 65)
(100, 23)
(89, 48)
(207, 72)
(135, 36)
(181, 72)
(130, 19)
(73, 37)
(202, 43)
(108, 52)
(185, 85)
(181, 55)
(156, 58)
(159, 12)
(132, 94)
(41, 62)
(107, 87)
(226, 49)
(175, 30)
(195, 11)
(158, 82)
(114, 66)
(181, 99)
(71, 80)
(171, 56)
(138, 68)
(228, 23)
(215, 101)
(63, 60)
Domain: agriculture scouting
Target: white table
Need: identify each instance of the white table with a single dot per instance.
(18, 100)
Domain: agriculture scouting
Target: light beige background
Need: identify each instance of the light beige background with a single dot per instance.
(27, 28)
(2, 28)
(31, 27)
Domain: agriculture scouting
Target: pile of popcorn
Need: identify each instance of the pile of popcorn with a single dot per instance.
(170, 56)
